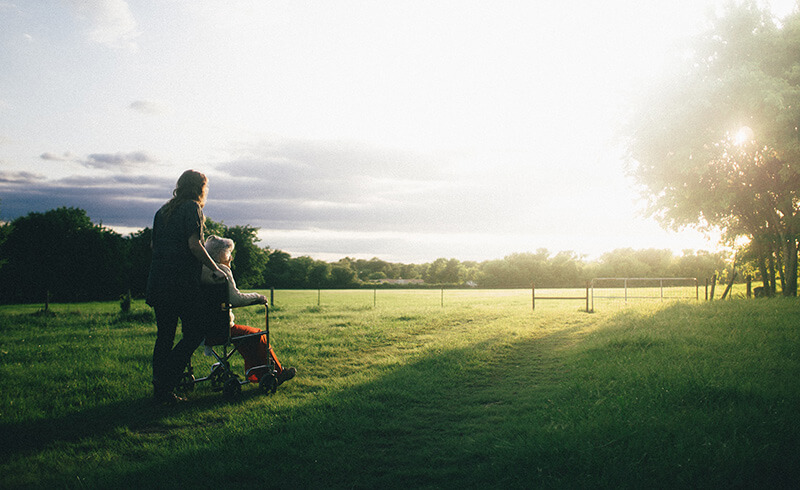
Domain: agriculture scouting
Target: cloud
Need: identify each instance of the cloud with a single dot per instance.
(293, 184)
(126, 201)
(108, 161)
(9, 6)
(19, 177)
(118, 160)
(307, 199)
(304, 185)
(112, 23)
(149, 106)
(63, 157)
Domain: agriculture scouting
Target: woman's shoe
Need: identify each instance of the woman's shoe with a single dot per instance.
(167, 397)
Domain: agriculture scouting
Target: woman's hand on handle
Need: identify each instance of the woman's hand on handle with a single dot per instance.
(200, 253)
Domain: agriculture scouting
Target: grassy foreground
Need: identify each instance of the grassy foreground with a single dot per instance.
(395, 390)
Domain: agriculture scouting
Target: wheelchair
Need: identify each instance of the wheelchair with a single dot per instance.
(215, 320)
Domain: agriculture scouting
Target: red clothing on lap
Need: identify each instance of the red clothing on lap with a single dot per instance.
(254, 350)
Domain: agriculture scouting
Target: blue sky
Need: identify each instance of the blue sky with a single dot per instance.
(404, 130)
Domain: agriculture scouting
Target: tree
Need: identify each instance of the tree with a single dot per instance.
(717, 144)
(566, 269)
(61, 252)
(701, 264)
(277, 273)
(5, 230)
(319, 275)
(139, 256)
(342, 276)
(300, 271)
(445, 271)
(375, 268)
(453, 272)
(519, 270)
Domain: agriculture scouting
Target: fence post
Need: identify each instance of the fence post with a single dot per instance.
(375, 297)
(533, 297)
(587, 297)
(319, 294)
(713, 285)
(272, 296)
(125, 302)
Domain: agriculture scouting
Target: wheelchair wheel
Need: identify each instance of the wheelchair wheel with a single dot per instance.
(217, 376)
(232, 390)
(268, 383)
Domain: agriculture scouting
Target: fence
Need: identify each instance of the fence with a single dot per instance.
(426, 297)
(616, 289)
(582, 298)
(658, 288)
(372, 296)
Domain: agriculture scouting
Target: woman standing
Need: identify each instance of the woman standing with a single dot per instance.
(174, 281)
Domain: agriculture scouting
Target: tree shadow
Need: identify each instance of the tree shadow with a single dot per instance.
(439, 421)
(139, 414)
(427, 422)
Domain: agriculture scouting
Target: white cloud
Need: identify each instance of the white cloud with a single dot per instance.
(112, 161)
(58, 157)
(148, 106)
(121, 161)
(112, 23)
(19, 177)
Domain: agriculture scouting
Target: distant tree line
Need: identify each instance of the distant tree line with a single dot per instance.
(61, 253)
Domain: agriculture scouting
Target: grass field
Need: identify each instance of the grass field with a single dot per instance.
(417, 389)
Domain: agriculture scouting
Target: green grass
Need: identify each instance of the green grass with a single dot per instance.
(395, 390)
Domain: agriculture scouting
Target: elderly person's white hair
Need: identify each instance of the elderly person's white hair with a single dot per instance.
(219, 248)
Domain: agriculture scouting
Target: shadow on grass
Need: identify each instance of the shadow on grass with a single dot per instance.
(445, 420)
(505, 414)
(138, 414)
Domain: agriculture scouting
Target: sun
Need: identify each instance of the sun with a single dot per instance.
(743, 136)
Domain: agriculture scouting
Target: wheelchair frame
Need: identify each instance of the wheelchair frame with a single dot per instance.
(216, 307)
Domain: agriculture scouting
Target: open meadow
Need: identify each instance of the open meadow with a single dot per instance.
(416, 389)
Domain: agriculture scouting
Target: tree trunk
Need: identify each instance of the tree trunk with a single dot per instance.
(790, 266)
(762, 265)
(772, 286)
(781, 253)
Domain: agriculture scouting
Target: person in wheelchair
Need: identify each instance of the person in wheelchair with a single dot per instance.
(255, 350)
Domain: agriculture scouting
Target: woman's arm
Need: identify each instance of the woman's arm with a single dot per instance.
(238, 298)
(199, 251)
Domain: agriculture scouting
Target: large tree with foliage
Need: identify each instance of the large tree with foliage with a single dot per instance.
(716, 142)
(139, 256)
(63, 254)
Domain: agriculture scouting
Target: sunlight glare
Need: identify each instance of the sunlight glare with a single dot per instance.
(744, 136)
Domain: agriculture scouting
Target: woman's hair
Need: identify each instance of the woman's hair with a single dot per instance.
(191, 186)
(218, 247)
